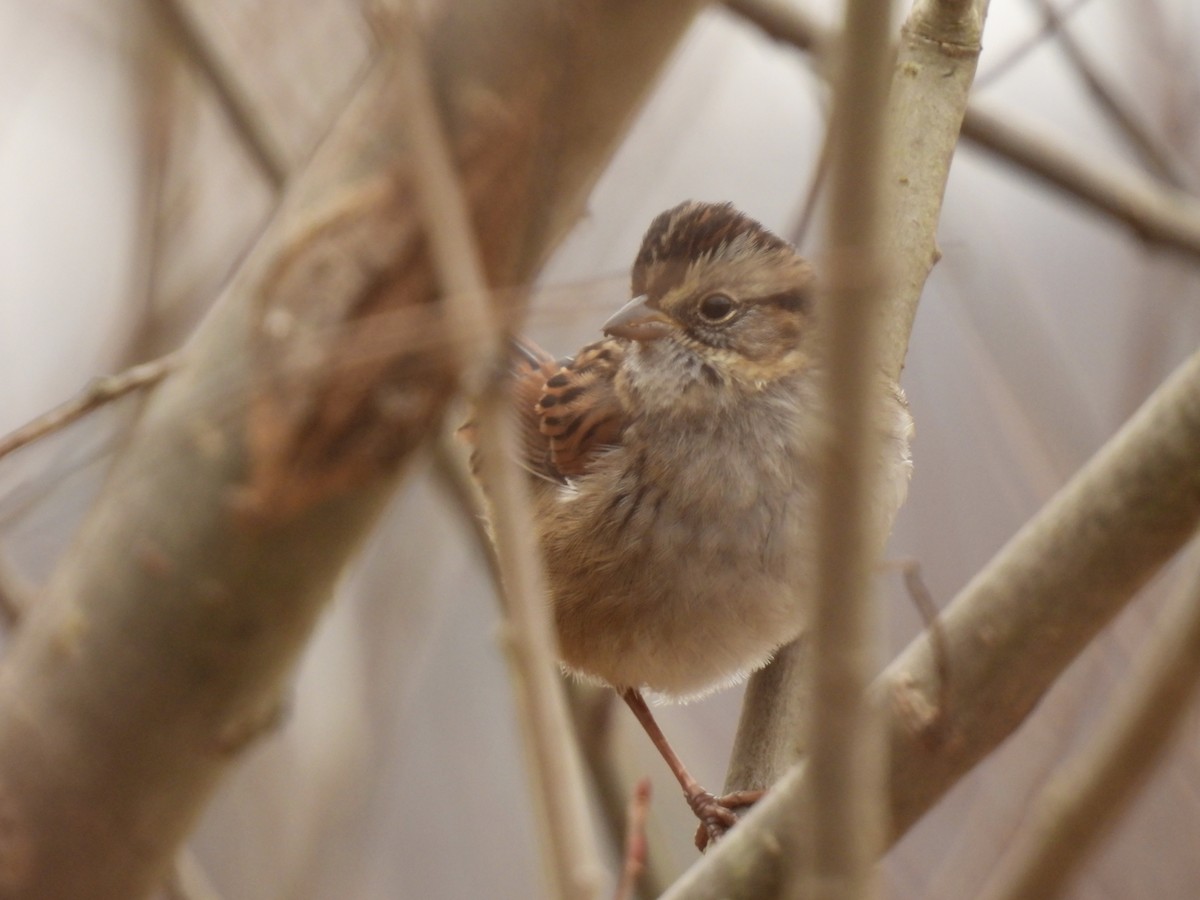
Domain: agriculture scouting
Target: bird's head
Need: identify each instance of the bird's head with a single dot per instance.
(718, 300)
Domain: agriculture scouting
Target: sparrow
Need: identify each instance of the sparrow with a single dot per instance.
(675, 465)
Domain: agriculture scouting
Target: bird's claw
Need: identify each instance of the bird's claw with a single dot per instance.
(716, 814)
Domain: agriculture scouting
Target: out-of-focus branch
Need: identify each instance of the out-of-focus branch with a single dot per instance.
(1155, 155)
(16, 596)
(614, 778)
(555, 770)
(188, 881)
(171, 624)
(1081, 803)
(1017, 54)
(97, 393)
(1061, 579)
(936, 58)
(196, 46)
(846, 763)
(1153, 212)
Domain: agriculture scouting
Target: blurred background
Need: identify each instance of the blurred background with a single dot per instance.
(127, 197)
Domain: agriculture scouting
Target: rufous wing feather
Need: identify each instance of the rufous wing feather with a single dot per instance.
(567, 410)
(579, 412)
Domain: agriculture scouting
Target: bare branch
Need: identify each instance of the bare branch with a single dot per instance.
(555, 769)
(1153, 212)
(936, 58)
(97, 393)
(846, 764)
(1083, 801)
(635, 841)
(1155, 155)
(1062, 578)
(181, 602)
(196, 46)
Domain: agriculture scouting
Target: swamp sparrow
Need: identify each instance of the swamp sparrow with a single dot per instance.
(676, 466)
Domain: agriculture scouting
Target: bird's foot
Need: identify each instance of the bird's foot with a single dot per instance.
(716, 814)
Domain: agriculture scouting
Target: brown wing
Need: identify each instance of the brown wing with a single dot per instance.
(567, 410)
(579, 414)
(531, 368)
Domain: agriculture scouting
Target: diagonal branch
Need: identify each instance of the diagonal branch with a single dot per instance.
(1082, 802)
(197, 47)
(193, 584)
(846, 763)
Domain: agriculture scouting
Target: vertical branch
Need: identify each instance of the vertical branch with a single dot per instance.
(935, 66)
(553, 758)
(846, 754)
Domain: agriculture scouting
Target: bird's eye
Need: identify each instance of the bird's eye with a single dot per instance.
(717, 307)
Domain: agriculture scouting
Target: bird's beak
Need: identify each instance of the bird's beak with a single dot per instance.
(635, 321)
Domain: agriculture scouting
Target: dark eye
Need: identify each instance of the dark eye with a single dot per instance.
(717, 307)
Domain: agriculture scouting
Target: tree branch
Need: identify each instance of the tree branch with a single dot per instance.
(201, 570)
(555, 769)
(1155, 213)
(936, 58)
(1010, 633)
(846, 764)
(195, 46)
(1086, 798)
(97, 393)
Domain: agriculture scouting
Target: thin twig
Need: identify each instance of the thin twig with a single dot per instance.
(196, 45)
(1155, 213)
(592, 711)
(922, 600)
(98, 392)
(1021, 51)
(453, 475)
(1155, 155)
(846, 762)
(546, 726)
(1087, 796)
(799, 231)
(635, 841)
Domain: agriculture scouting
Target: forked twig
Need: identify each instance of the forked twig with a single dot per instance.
(939, 647)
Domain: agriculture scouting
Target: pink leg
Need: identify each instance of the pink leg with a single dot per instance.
(715, 814)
